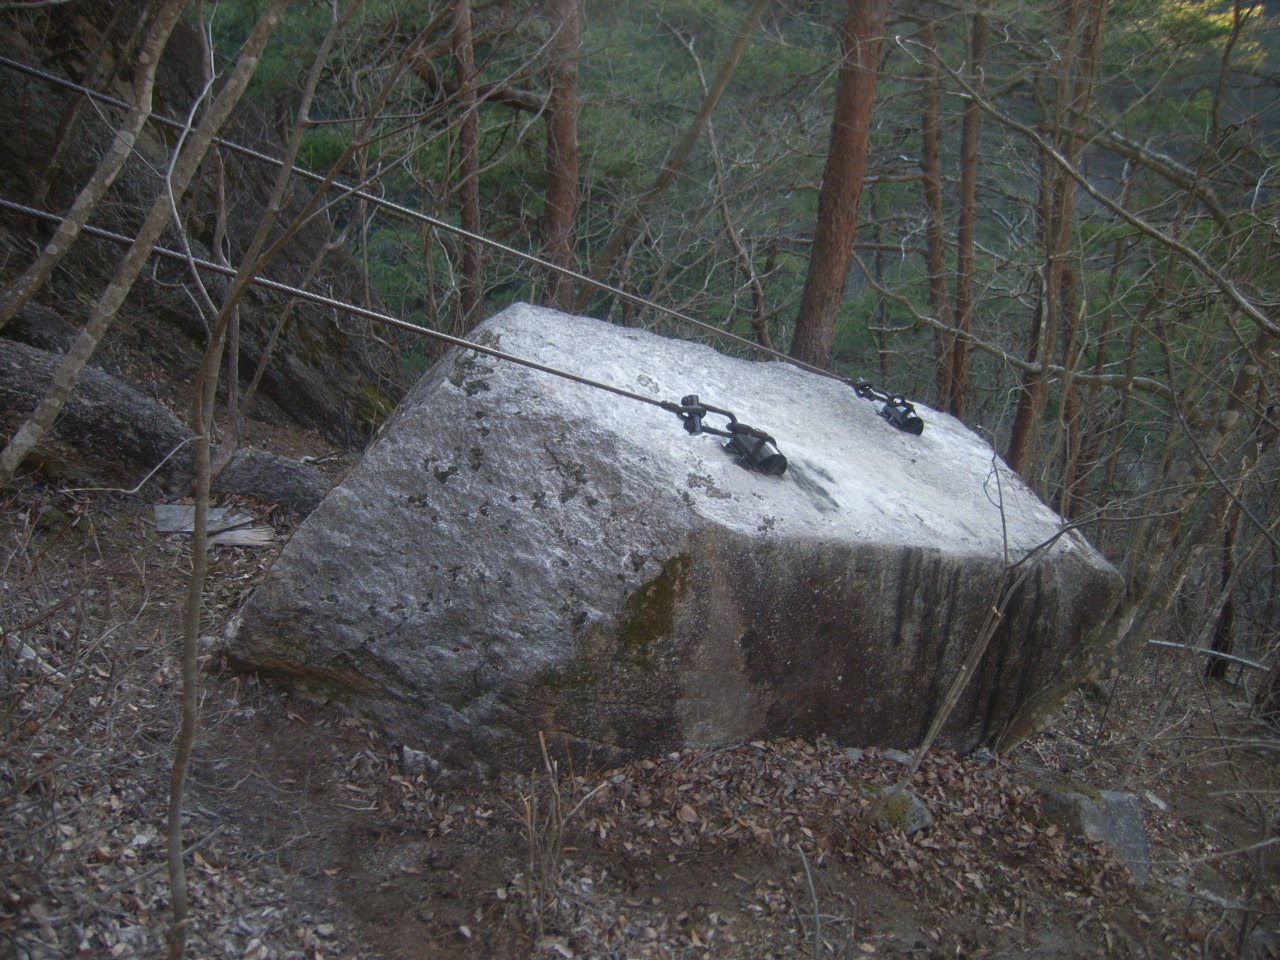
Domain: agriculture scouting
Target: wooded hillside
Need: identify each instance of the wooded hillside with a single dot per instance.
(1056, 221)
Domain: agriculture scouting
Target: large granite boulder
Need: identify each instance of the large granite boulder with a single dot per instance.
(519, 553)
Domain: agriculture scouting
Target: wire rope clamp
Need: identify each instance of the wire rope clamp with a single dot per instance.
(750, 448)
(755, 450)
(899, 412)
(897, 409)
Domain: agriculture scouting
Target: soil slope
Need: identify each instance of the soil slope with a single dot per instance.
(313, 835)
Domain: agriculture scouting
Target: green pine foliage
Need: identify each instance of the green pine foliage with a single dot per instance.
(642, 72)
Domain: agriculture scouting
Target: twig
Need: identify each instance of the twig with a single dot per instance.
(1218, 654)
(813, 895)
(141, 483)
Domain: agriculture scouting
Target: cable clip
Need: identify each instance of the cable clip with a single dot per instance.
(902, 415)
(751, 449)
(897, 409)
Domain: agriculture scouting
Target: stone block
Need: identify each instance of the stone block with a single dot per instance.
(519, 553)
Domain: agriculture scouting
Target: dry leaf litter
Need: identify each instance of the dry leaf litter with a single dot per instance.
(308, 838)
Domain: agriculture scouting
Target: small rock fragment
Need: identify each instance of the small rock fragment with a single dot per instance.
(415, 762)
(903, 811)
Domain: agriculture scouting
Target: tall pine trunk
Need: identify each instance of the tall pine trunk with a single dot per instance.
(562, 151)
(842, 180)
(464, 64)
(957, 358)
(1073, 85)
(935, 220)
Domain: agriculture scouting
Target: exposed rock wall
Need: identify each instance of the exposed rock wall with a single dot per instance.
(324, 376)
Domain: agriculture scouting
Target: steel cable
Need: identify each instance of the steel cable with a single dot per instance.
(324, 301)
(411, 214)
(898, 411)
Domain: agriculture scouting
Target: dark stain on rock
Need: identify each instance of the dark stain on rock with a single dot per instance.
(650, 612)
(821, 499)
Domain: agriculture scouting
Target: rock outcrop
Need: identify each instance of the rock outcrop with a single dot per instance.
(1110, 816)
(53, 140)
(110, 434)
(516, 552)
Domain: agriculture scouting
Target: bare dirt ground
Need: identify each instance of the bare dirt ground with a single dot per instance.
(310, 837)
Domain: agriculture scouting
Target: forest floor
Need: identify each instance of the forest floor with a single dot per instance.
(310, 837)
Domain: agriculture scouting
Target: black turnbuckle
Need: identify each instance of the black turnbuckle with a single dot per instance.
(751, 449)
(897, 409)
(902, 415)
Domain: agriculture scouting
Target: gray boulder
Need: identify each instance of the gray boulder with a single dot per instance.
(1114, 817)
(903, 810)
(111, 434)
(516, 552)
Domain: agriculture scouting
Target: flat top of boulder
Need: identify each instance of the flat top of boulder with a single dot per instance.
(851, 475)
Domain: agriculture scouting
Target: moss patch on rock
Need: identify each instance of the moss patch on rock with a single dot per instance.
(650, 612)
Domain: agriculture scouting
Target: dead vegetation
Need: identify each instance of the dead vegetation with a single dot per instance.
(308, 838)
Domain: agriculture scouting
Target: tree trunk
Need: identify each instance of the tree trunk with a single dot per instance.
(1070, 420)
(562, 151)
(1098, 417)
(202, 406)
(1266, 703)
(842, 178)
(1225, 625)
(968, 217)
(935, 226)
(1073, 310)
(183, 171)
(1054, 231)
(1073, 86)
(464, 66)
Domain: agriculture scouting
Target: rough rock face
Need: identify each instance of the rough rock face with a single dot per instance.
(517, 552)
(109, 433)
(92, 43)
